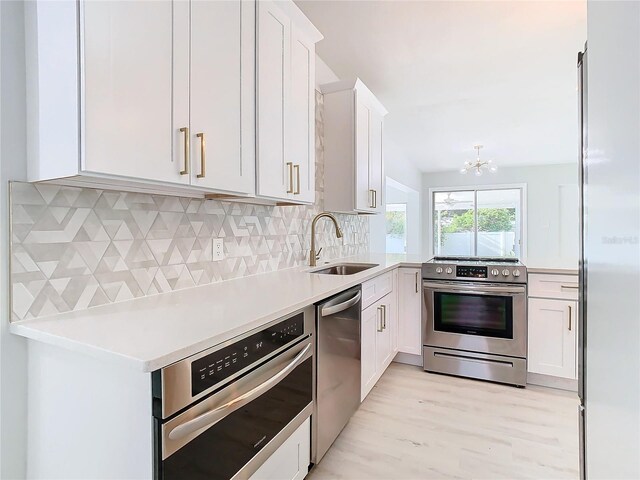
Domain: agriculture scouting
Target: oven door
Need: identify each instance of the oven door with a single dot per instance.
(232, 432)
(485, 318)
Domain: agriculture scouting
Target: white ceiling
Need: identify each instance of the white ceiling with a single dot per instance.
(457, 73)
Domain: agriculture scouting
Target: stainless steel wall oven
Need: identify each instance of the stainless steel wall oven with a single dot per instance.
(475, 318)
(221, 413)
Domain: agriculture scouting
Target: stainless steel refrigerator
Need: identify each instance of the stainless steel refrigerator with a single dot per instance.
(582, 268)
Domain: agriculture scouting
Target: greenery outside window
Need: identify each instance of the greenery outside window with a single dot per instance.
(396, 219)
(482, 222)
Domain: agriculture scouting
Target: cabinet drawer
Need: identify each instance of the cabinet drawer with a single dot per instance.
(291, 460)
(376, 288)
(553, 286)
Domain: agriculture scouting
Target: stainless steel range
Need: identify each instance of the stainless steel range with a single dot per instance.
(474, 318)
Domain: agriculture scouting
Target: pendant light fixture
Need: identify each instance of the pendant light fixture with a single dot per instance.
(479, 165)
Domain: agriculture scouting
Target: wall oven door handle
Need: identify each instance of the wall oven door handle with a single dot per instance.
(213, 416)
(333, 309)
(475, 288)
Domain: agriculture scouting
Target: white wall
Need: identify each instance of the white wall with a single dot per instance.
(13, 358)
(552, 209)
(612, 245)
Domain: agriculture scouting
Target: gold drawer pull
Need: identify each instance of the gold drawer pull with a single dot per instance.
(203, 147)
(570, 317)
(185, 130)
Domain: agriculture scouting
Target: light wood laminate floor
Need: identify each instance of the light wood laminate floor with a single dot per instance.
(416, 425)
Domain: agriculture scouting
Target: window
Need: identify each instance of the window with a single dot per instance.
(478, 222)
(396, 218)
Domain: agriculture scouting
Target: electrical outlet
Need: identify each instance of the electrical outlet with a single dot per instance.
(217, 249)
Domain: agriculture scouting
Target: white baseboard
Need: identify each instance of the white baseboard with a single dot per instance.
(408, 358)
(552, 382)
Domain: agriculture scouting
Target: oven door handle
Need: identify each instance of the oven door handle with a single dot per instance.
(213, 416)
(475, 289)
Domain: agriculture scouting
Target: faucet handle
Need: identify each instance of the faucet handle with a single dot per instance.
(317, 254)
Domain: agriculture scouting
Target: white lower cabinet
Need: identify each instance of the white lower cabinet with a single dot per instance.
(553, 326)
(377, 341)
(291, 460)
(409, 311)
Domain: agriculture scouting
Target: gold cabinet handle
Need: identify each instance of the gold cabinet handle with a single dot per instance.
(297, 169)
(185, 130)
(203, 147)
(372, 198)
(570, 317)
(375, 199)
(380, 328)
(290, 167)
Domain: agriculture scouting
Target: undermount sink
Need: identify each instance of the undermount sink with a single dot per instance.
(344, 268)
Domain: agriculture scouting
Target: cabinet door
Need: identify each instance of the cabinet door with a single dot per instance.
(301, 127)
(127, 69)
(291, 460)
(220, 39)
(273, 46)
(364, 195)
(552, 337)
(371, 324)
(409, 311)
(376, 171)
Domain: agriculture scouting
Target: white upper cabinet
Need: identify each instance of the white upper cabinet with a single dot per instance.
(354, 165)
(286, 103)
(127, 70)
(151, 95)
(222, 86)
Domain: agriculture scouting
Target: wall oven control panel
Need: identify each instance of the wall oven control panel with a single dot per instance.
(221, 364)
(466, 271)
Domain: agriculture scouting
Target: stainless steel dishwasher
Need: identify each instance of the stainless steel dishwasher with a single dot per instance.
(337, 367)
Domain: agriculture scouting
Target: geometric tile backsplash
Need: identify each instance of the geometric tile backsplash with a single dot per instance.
(74, 248)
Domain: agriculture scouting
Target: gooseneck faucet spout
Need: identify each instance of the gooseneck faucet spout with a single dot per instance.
(313, 255)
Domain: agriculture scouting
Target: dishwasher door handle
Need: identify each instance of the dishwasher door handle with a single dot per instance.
(213, 416)
(333, 309)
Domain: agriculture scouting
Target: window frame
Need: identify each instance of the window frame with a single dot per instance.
(476, 188)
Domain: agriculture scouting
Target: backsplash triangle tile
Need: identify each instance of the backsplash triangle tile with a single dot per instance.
(76, 248)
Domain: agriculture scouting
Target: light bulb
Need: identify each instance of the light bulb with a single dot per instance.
(493, 169)
(478, 172)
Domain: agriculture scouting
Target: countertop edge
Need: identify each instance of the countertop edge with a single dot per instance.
(26, 329)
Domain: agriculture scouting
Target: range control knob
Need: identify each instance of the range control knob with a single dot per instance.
(439, 270)
(505, 272)
(495, 272)
(516, 273)
(449, 270)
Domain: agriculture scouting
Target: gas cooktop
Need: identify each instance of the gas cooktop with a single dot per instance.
(483, 269)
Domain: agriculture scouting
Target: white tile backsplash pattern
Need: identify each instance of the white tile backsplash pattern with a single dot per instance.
(75, 248)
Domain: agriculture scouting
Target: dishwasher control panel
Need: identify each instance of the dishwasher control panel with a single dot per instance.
(221, 364)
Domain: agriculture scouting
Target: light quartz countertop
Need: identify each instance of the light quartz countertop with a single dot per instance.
(555, 271)
(152, 332)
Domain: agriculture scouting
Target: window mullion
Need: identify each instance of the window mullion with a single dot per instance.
(475, 223)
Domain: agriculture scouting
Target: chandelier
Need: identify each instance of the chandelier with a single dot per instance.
(479, 165)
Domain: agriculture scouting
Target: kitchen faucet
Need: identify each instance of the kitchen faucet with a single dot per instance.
(313, 255)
